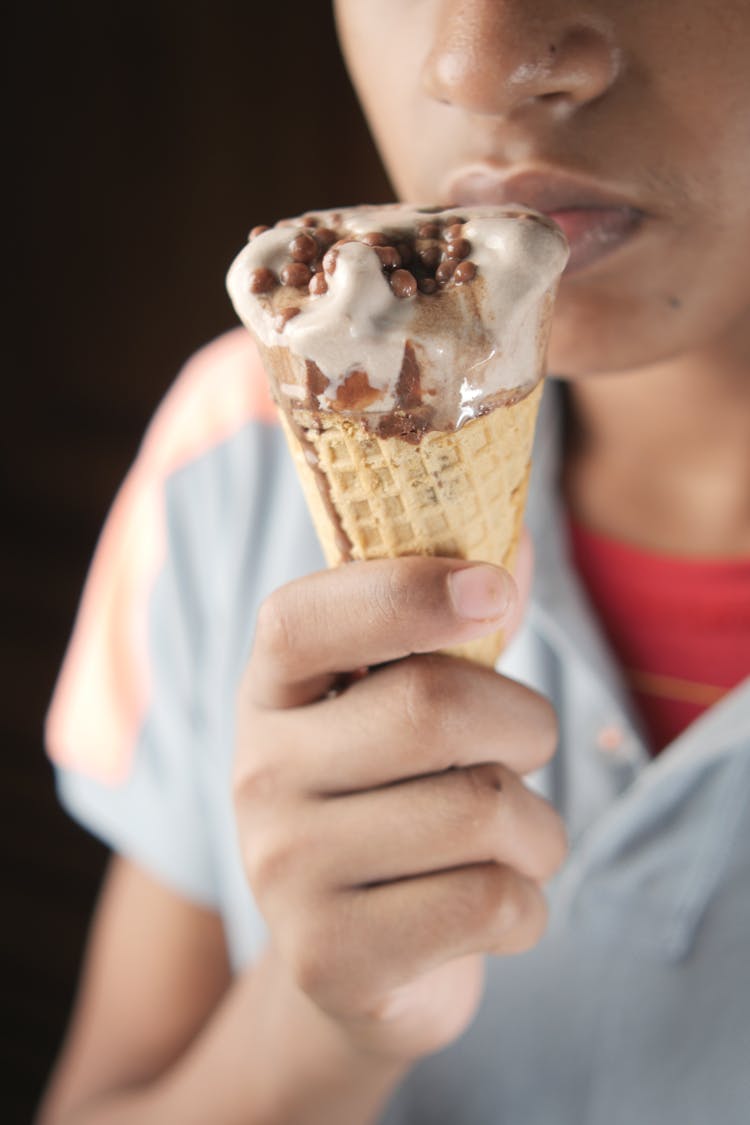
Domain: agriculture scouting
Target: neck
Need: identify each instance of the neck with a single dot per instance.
(660, 456)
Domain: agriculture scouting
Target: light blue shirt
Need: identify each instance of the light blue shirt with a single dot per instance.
(635, 1007)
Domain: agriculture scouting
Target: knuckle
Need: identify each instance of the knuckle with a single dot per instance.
(396, 596)
(519, 918)
(486, 780)
(423, 696)
(509, 906)
(482, 785)
(314, 964)
(274, 630)
(255, 782)
(269, 859)
(310, 968)
(468, 806)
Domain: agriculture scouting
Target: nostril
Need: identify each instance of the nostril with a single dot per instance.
(508, 59)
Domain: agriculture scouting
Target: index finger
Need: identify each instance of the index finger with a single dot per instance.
(312, 630)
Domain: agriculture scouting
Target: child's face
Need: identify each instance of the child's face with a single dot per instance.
(629, 118)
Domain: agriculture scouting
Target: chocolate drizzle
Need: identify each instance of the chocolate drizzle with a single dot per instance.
(316, 382)
(411, 417)
(355, 393)
(409, 386)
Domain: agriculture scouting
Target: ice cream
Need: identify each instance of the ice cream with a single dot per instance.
(405, 348)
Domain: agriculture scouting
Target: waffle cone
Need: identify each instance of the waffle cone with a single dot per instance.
(459, 494)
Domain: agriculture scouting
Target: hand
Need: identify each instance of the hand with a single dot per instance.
(385, 830)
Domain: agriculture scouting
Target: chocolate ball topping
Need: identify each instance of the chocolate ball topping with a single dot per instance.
(464, 271)
(428, 230)
(403, 283)
(460, 248)
(453, 232)
(405, 252)
(390, 259)
(374, 238)
(304, 248)
(296, 274)
(431, 257)
(318, 285)
(263, 280)
(444, 272)
(325, 237)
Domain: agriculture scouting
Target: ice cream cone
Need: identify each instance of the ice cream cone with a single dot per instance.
(421, 478)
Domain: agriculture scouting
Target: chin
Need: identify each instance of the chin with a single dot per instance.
(608, 335)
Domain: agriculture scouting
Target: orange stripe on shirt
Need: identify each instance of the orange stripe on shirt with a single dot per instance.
(103, 689)
(676, 688)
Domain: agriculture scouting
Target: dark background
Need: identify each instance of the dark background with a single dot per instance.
(144, 140)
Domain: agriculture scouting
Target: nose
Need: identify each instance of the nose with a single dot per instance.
(497, 56)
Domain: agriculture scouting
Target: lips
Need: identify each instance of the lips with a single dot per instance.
(595, 220)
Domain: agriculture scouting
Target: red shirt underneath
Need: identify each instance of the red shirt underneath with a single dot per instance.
(679, 626)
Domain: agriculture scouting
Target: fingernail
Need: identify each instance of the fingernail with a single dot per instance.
(480, 593)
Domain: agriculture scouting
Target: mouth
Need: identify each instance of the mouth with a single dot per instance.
(596, 221)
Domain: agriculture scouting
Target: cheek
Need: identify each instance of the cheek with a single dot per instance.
(677, 292)
(385, 45)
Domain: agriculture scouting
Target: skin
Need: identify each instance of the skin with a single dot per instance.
(667, 434)
(654, 338)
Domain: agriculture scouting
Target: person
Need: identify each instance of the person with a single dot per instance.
(311, 872)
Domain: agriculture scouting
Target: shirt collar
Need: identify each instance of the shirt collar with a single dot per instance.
(560, 608)
(695, 793)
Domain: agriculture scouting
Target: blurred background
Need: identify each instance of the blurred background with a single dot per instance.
(145, 140)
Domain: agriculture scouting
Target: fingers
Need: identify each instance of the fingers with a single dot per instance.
(454, 819)
(433, 713)
(389, 935)
(418, 716)
(369, 613)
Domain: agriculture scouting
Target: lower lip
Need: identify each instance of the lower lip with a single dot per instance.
(594, 233)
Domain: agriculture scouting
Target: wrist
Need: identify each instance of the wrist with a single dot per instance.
(334, 1053)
